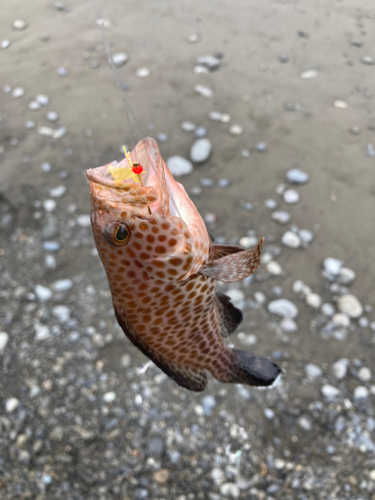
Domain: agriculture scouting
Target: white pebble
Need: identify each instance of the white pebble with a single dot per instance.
(249, 242)
(52, 116)
(260, 298)
(268, 413)
(200, 151)
(364, 374)
(203, 90)
(226, 118)
(235, 295)
(42, 99)
(11, 404)
(4, 337)
(18, 92)
(283, 307)
(62, 313)
(60, 132)
(298, 286)
(84, 220)
(313, 371)
(5, 44)
(313, 300)
(143, 72)
(49, 205)
(339, 368)
(119, 59)
(308, 74)
(361, 392)
(291, 240)
(109, 397)
(329, 391)
(274, 268)
(346, 276)
(270, 204)
(19, 24)
(306, 235)
(236, 130)
(328, 309)
(230, 490)
(341, 319)
(288, 325)
(188, 126)
(62, 285)
(332, 266)
(46, 131)
(179, 166)
(291, 196)
(34, 105)
(43, 293)
(350, 305)
(340, 104)
(58, 191)
(297, 176)
(42, 332)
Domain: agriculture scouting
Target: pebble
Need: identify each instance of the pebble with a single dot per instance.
(11, 404)
(49, 205)
(274, 268)
(109, 397)
(143, 72)
(291, 240)
(34, 106)
(332, 266)
(62, 71)
(363, 322)
(161, 475)
(306, 236)
(214, 116)
(236, 130)
(47, 478)
(260, 298)
(188, 126)
(305, 423)
(223, 182)
(288, 325)
(235, 295)
(248, 242)
(42, 99)
(51, 246)
(156, 446)
(370, 150)
(218, 476)
(297, 176)
(283, 58)
(62, 285)
(200, 150)
(308, 74)
(58, 191)
(84, 220)
(19, 24)
(268, 413)
(270, 204)
(18, 92)
(208, 404)
(291, 196)
(193, 38)
(339, 368)
(30, 124)
(210, 218)
(283, 307)
(210, 62)
(119, 59)
(313, 300)
(245, 153)
(349, 304)
(340, 104)
(226, 118)
(281, 217)
(203, 90)
(5, 44)
(61, 313)
(179, 166)
(261, 147)
(328, 309)
(369, 60)
(230, 490)
(361, 392)
(207, 182)
(52, 116)
(200, 132)
(346, 276)
(4, 338)
(43, 293)
(341, 319)
(364, 374)
(46, 131)
(313, 371)
(329, 391)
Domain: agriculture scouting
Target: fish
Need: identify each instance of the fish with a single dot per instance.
(163, 268)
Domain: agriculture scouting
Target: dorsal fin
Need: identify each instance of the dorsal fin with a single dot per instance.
(219, 251)
(230, 316)
(234, 267)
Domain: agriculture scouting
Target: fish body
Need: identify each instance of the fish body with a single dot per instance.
(162, 269)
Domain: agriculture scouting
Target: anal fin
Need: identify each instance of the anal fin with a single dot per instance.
(234, 267)
(230, 316)
(189, 378)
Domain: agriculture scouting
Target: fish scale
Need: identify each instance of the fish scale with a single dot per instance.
(162, 270)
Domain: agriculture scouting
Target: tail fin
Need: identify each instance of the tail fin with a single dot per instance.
(248, 368)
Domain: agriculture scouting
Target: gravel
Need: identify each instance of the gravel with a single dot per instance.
(179, 166)
(200, 151)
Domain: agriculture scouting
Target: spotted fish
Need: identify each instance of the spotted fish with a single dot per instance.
(162, 269)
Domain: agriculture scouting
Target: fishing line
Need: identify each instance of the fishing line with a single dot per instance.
(100, 21)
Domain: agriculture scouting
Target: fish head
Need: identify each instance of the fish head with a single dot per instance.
(148, 223)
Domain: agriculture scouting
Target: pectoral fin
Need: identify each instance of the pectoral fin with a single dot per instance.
(223, 250)
(234, 267)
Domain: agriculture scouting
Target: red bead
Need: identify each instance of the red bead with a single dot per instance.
(138, 169)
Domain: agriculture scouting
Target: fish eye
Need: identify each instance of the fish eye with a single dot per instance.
(121, 234)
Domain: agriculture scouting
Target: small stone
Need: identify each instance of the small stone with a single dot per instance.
(162, 137)
(236, 130)
(370, 150)
(341, 319)
(84, 220)
(306, 236)
(210, 62)
(52, 116)
(4, 338)
(49, 205)
(11, 404)
(179, 166)
(200, 132)
(332, 266)
(235, 295)
(161, 475)
(18, 92)
(361, 392)
(281, 217)
(188, 126)
(208, 404)
(260, 298)
(350, 305)
(291, 196)
(119, 59)
(42, 99)
(5, 44)
(270, 204)
(109, 397)
(42, 332)
(297, 176)
(308, 74)
(274, 268)
(305, 423)
(19, 24)
(372, 475)
(58, 191)
(346, 276)
(47, 479)
(214, 116)
(283, 58)
(355, 130)
(269, 414)
(30, 124)
(369, 60)
(226, 118)
(43, 293)
(313, 300)
(288, 325)
(60, 132)
(328, 309)
(261, 147)
(340, 368)
(51, 246)
(200, 150)
(63, 285)
(313, 371)
(291, 240)
(230, 490)
(62, 71)
(34, 106)
(283, 307)
(364, 374)
(61, 313)
(203, 90)
(156, 446)
(223, 183)
(363, 322)
(218, 476)
(340, 104)
(207, 182)
(329, 391)
(356, 41)
(193, 38)
(46, 131)
(245, 153)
